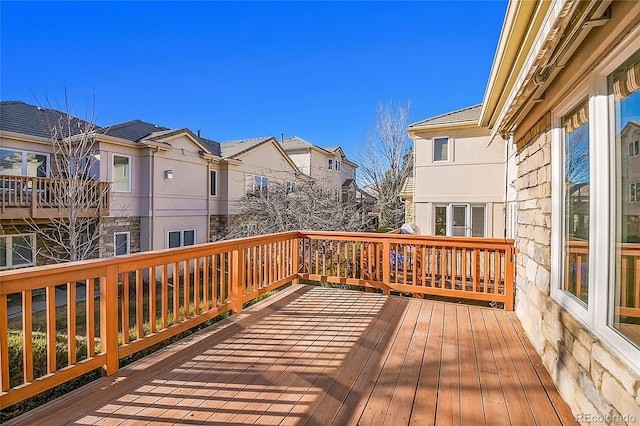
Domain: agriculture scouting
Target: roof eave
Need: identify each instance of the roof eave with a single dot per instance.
(445, 126)
(516, 37)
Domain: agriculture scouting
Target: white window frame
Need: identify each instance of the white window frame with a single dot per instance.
(182, 231)
(597, 316)
(576, 307)
(449, 149)
(9, 251)
(128, 234)
(468, 218)
(113, 159)
(634, 148)
(337, 166)
(213, 189)
(330, 163)
(23, 160)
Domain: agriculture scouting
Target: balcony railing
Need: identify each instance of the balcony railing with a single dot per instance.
(107, 309)
(39, 198)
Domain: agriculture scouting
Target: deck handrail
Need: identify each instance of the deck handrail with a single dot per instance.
(41, 194)
(135, 301)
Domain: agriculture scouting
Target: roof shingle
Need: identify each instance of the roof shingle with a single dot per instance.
(463, 115)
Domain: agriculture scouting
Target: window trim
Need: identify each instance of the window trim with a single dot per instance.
(182, 231)
(468, 232)
(128, 234)
(576, 307)
(330, 163)
(449, 149)
(598, 315)
(9, 251)
(113, 159)
(23, 160)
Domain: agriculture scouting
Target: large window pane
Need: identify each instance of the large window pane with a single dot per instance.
(577, 202)
(440, 149)
(441, 221)
(36, 165)
(477, 221)
(22, 251)
(624, 86)
(174, 239)
(189, 237)
(121, 244)
(121, 174)
(10, 162)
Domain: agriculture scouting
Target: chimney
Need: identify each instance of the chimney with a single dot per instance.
(198, 133)
(281, 137)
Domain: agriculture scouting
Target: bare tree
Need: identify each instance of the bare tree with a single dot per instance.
(386, 162)
(308, 205)
(74, 197)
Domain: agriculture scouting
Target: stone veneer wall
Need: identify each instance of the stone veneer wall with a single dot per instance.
(111, 225)
(596, 385)
(218, 226)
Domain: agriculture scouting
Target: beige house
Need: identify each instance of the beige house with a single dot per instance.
(565, 85)
(152, 203)
(329, 165)
(461, 184)
(249, 165)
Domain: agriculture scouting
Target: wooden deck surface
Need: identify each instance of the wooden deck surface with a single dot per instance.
(317, 356)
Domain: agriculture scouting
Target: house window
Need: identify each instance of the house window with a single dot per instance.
(182, 238)
(23, 163)
(440, 222)
(260, 185)
(440, 149)
(577, 201)
(330, 163)
(634, 192)
(121, 244)
(17, 250)
(213, 183)
(121, 174)
(291, 186)
(460, 220)
(337, 165)
(625, 91)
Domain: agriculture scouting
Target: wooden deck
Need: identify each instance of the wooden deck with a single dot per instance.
(312, 355)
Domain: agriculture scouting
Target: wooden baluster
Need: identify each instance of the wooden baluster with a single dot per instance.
(109, 319)
(223, 278)
(165, 296)
(125, 307)
(139, 305)
(196, 286)
(71, 323)
(186, 295)
(152, 299)
(27, 330)
(205, 283)
(176, 293)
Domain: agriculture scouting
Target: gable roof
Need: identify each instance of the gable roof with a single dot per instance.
(468, 115)
(296, 142)
(32, 120)
(235, 148)
(134, 130)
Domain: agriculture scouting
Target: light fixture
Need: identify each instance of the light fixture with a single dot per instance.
(168, 174)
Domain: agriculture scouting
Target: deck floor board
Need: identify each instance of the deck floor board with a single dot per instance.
(317, 356)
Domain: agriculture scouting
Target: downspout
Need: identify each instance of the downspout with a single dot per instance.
(153, 197)
(208, 198)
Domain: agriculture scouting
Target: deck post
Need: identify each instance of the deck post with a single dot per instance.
(386, 265)
(508, 278)
(109, 318)
(237, 260)
(296, 258)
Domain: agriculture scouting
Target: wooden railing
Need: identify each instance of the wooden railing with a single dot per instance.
(39, 197)
(627, 297)
(467, 268)
(105, 309)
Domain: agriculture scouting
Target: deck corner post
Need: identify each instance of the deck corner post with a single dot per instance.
(109, 319)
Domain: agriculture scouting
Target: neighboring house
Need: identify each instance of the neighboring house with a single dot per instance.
(329, 165)
(250, 165)
(460, 185)
(565, 86)
(164, 181)
(27, 173)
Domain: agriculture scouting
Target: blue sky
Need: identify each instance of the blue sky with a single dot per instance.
(246, 69)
